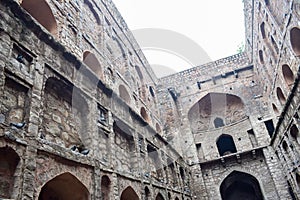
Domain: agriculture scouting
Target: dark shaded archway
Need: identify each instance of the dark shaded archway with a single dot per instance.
(295, 40)
(66, 187)
(159, 196)
(105, 187)
(129, 194)
(40, 10)
(225, 145)
(93, 63)
(280, 96)
(124, 94)
(240, 186)
(145, 115)
(287, 74)
(9, 161)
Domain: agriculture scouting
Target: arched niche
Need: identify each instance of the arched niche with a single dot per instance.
(41, 11)
(287, 75)
(145, 115)
(147, 193)
(105, 187)
(176, 198)
(92, 62)
(226, 145)
(65, 186)
(129, 194)
(240, 185)
(124, 94)
(261, 56)
(275, 109)
(228, 107)
(151, 90)
(9, 161)
(218, 122)
(159, 196)
(65, 113)
(295, 40)
(139, 73)
(294, 131)
(262, 30)
(285, 146)
(280, 96)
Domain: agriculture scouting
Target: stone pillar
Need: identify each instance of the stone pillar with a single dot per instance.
(29, 174)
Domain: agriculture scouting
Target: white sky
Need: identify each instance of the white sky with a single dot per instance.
(215, 25)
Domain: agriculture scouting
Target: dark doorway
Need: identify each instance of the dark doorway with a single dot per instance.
(129, 194)
(226, 145)
(65, 186)
(240, 186)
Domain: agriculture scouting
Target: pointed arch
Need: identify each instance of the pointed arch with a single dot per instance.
(9, 160)
(145, 115)
(41, 11)
(147, 193)
(124, 94)
(287, 74)
(228, 107)
(226, 145)
(129, 194)
(240, 185)
(105, 187)
(295, 40)
(63, 187)
(280, 96)
(93, 63)
(159, 196)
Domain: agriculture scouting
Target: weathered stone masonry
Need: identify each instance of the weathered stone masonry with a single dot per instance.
(82, 115)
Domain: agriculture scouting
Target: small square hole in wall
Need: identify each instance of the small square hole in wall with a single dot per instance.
(102, 115)
(21, 55)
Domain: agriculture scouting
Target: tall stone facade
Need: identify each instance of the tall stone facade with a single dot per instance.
(82, 115)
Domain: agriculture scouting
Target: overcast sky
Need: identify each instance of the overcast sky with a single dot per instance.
(216, 26)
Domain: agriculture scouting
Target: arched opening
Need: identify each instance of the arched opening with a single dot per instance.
(230, 108)
(280, 96)
(298, 179)
(92, 62)
(9, 161)
(124, 94)
(263, 31)
(41, 11)
(105, 187)
(295, 40)
(159, 196)
(147, 193)
(139, 72)
(129, 194)
(218, 122)
(151, 90)
(240, 185)
(275, 109)
(261, 56)
(145, 115)
(64, 187)
(294, 132)
(288, 75)
(284, 146)
(226, 145)
(176, 198)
